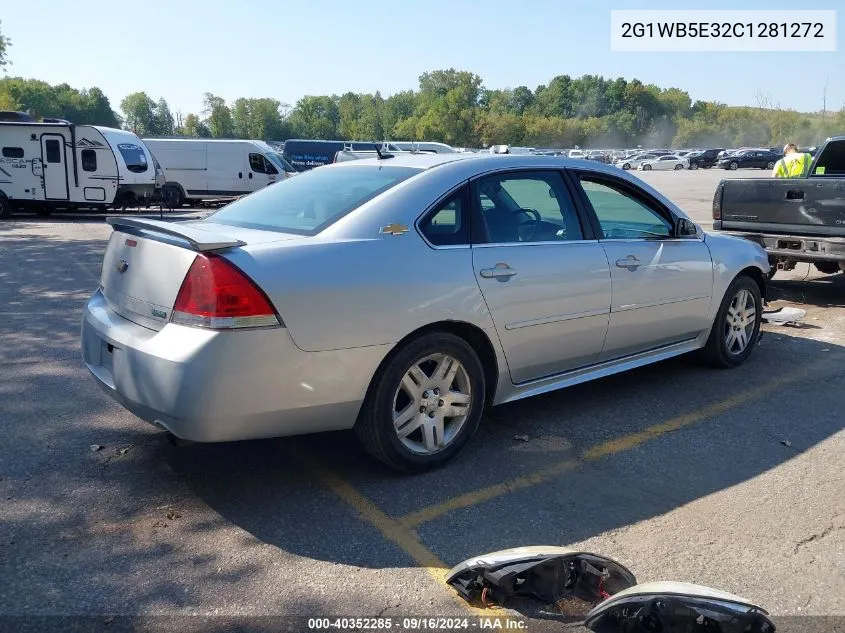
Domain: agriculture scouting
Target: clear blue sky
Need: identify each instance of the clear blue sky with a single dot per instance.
(283, 49)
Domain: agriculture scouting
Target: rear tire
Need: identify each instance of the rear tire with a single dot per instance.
(770, 165)
(380, 428)
(735, 330)
(5, 208)
(646, 167)
(626, 166)
(694, 166)
(678, 166)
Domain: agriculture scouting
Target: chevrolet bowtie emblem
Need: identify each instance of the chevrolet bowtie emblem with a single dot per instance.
(394, 229)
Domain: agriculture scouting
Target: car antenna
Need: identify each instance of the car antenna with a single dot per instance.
(380, 155)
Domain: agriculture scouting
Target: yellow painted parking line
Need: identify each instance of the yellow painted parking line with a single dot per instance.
(611, 447)
(481, 495)
(403, 537)
(402, 531)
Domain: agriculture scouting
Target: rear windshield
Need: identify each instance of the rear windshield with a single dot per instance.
(313, 200)
(134, 157)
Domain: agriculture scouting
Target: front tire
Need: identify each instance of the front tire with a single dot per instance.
(678, 166)
(694, 166)
(733, 166)
(626, 166)
(424, 405)
(736, 328)
(770, 165)
(646, 167)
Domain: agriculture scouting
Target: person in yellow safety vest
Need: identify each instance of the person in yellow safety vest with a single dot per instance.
(794, 164)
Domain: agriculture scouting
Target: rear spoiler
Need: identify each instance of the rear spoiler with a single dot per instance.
(201, 240)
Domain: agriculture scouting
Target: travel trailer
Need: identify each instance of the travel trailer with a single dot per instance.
(204, 169)
(56, 164)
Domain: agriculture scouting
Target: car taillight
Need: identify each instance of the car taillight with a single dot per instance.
(717, 201)
(216, 295)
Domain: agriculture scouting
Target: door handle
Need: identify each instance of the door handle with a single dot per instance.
(240, 174)
(499, 271)
(250, 174)
(630, 262)
(793, 194)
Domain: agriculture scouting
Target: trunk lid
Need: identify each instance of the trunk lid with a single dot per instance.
(146, 262)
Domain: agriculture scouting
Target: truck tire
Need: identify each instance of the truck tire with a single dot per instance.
(5, 207)
(828, 268)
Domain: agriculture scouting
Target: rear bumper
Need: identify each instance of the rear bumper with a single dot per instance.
(795, 247)
(209, 386)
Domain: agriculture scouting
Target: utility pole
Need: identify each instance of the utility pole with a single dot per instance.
(824, 108)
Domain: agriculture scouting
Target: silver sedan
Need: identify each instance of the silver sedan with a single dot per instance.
(400, 296)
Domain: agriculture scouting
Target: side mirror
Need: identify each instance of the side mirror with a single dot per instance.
(686, 228)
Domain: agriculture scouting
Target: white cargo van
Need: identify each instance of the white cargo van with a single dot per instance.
(204, 169)
(56, 164)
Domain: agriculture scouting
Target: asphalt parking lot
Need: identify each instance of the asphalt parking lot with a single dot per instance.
(732, 479)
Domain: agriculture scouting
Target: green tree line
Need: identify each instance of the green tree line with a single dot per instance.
(454, 107)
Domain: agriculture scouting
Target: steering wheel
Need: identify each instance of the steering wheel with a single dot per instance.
(531, 229)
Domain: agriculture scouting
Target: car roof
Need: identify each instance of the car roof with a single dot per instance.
(473, 162)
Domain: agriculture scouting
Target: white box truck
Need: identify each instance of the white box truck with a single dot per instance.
(56, 164)
(205, 169)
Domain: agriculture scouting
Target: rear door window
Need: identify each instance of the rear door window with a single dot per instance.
(526, 207)
(831, 162)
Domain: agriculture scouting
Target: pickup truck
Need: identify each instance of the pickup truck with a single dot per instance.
(794, 219)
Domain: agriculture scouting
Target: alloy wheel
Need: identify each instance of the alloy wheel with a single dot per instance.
(431, 404)
(740, 322)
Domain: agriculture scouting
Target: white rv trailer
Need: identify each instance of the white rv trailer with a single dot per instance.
(204, 169)
(56, 164)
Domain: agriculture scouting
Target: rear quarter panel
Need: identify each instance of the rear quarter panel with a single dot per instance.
(343, 294)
